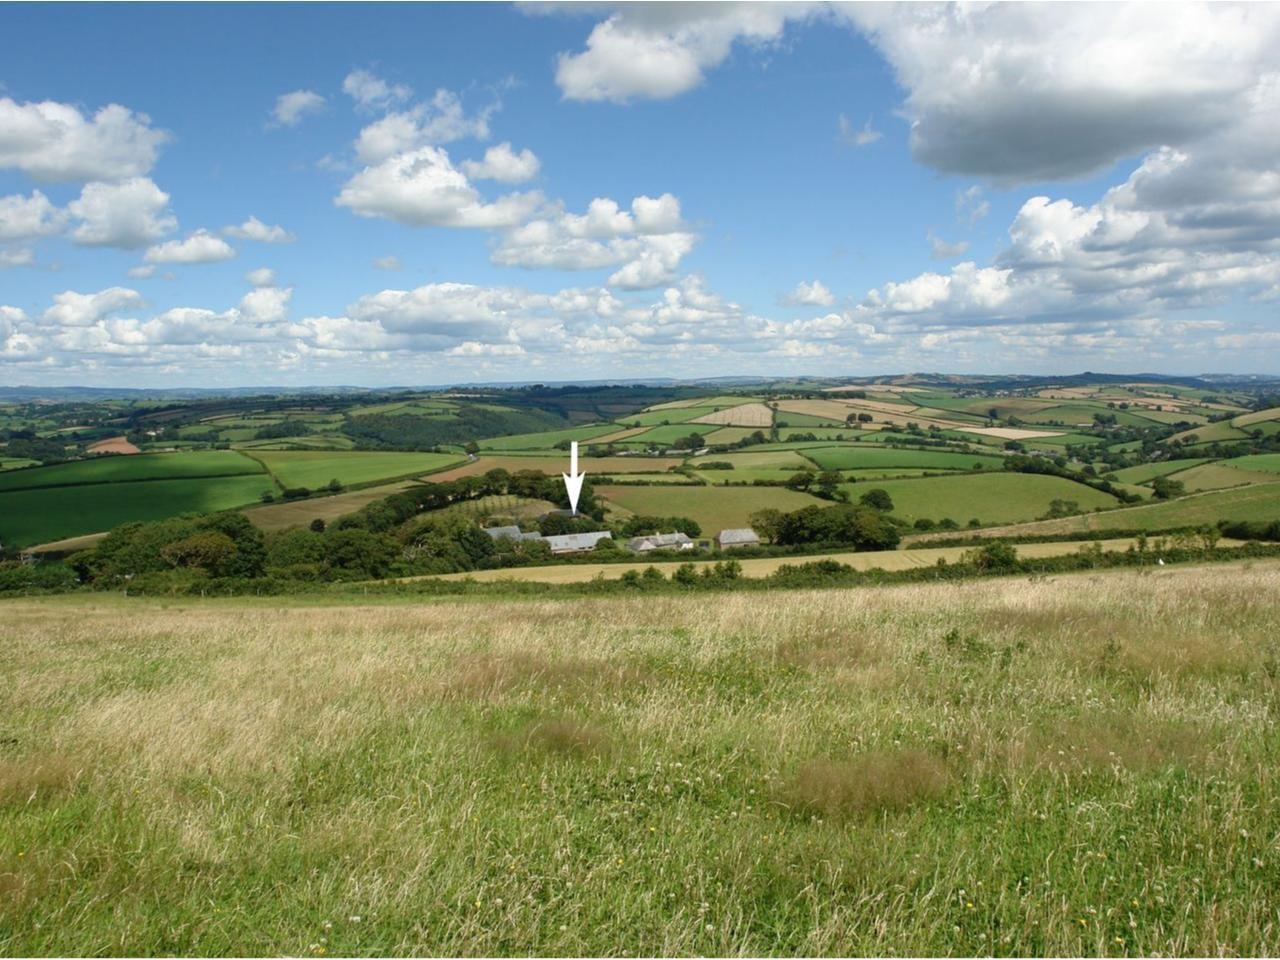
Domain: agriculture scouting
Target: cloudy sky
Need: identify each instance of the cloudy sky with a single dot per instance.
(385, 195)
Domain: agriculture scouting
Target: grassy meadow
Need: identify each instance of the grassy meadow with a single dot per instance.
(127, 469)
(992, 498)
(315, 468)
(709, 506)
(43, 514)
(1058, 766)
(1256, 502)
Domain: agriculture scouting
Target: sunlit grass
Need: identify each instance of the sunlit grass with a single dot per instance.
(1076, 765)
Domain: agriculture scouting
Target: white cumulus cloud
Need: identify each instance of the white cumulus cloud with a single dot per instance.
(368, 90)
(28, 218)
(200, 247)
(56, 142)
(291, 108)
(423, 188)
(129, 214)
(658, 51)
(810, 293)
(503, 164)
(255, 229)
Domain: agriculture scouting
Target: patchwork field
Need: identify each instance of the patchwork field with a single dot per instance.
(1149, 471)
(991, 498)
(1257, 502)
(120, 469)
(746, 415)
(859, 457)
(714, 508)
(314, 469)
(300, 513)
(51, 513)
(559, 463)
(1074, 766)
(549, 438)
(1217, 475)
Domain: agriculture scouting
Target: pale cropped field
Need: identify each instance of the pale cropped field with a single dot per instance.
(744, 415)
(888, 560)
(1066, 766)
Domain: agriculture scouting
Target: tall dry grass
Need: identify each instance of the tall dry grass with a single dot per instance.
(1076, 765)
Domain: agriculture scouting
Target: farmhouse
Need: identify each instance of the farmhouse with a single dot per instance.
(660, 541)
(740, 537)
(576, 542)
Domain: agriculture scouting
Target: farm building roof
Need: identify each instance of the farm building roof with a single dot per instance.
(659, 541)
(738, 535)
(569, 542)
(497, 533)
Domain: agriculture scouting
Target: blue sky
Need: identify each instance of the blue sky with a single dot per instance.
(824, 189)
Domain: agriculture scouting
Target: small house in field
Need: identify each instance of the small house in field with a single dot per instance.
(576, 542)
(740, 537)
(660, 541)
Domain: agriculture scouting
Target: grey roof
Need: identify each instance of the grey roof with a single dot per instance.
(658, 541)
(565, 542)
(738, 535)
(514, 533)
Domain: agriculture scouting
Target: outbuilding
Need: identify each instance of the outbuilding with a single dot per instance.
(660, 541)
(739, 537)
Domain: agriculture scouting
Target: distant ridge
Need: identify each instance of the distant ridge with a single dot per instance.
(987, 381)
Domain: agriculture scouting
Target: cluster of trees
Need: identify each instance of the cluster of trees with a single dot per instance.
(862, 526)
(825, 484)
(25, 445)
(641, 526)
(285, 428)
(1251, 529)
(387, 431)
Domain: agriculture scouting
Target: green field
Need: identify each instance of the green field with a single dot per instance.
(1075, 766)
(714, 508)
(991, 498)
(547, 439)
(670, 415)
(1263, 462)
(144, 466)
(1145, 472)
(1205, 433)
(1255, 502)
(664, 436)
(29, 517)
(861, 457)
(1215, 476)
(314, 469)
(776, 459)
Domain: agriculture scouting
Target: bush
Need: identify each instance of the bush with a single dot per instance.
(877, 499)
(992, 556)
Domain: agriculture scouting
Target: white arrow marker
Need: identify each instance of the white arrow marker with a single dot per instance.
(573, 479)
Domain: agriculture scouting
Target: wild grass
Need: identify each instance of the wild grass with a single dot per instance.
(1069, 765)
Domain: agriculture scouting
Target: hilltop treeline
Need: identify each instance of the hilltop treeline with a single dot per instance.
(388, 431)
